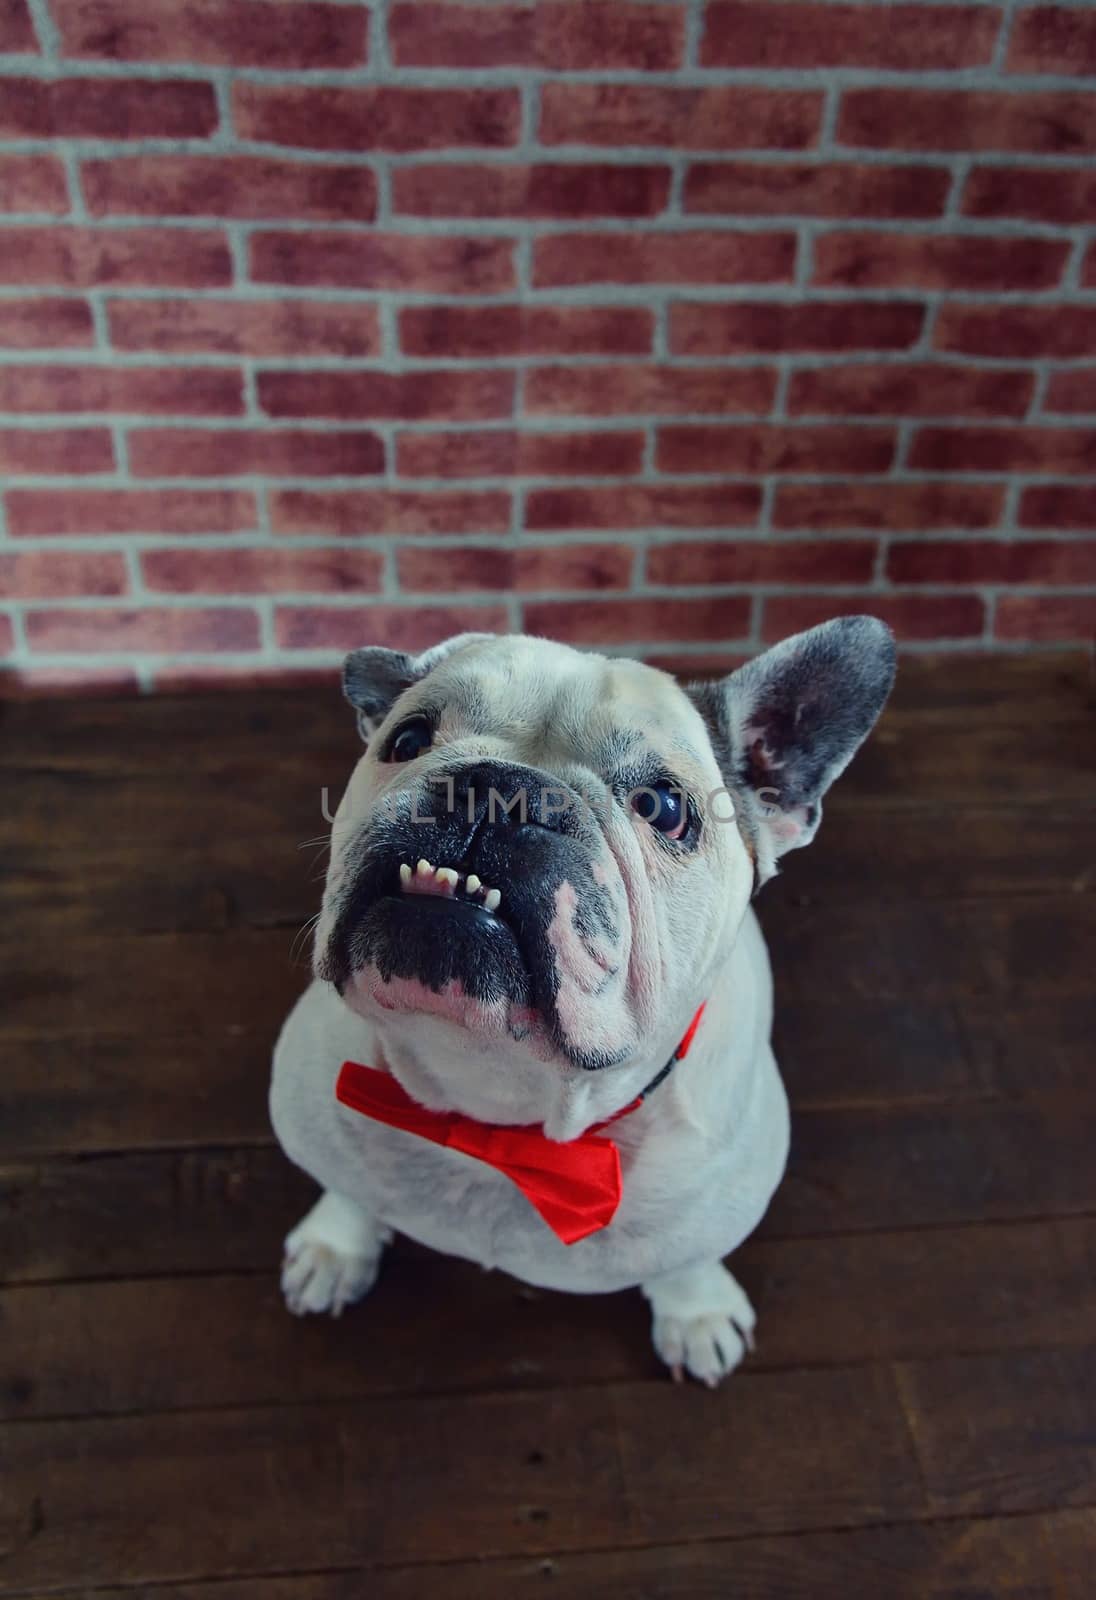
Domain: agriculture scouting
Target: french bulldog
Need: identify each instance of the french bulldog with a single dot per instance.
(537, 953)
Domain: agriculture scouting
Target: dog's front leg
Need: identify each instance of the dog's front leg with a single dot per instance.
(702, 1321)
(331, 1257)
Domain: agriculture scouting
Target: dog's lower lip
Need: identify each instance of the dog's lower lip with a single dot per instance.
(436, 905)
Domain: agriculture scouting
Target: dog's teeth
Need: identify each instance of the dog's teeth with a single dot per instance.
(405, 874)
(424, 869)
(447, 877)
(492, 899)
(471, 884)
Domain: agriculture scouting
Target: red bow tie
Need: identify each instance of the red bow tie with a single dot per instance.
(575, 1186)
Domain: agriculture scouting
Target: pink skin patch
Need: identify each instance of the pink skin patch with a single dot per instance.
(371, 995)
(590, 997)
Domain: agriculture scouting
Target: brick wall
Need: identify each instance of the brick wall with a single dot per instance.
(669, 326)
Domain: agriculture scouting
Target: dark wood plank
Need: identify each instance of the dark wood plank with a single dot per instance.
(921, 1165)
(1006, 1433)
(110, 1091)
(200, 982)
(853, 1170)
(165, 1212)
(187, 872)
(236, 736)
(507, 1474)
(916, 951)
(1043, 1556)
(102, 1092)
(384, 1480)
(969, 853)
(1013, 690)
(111, 1347)
(172, 982)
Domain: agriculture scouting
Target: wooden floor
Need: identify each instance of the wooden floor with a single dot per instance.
(920, 1416)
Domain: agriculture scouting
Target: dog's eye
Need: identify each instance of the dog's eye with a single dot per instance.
(410, 740)
(663, 806)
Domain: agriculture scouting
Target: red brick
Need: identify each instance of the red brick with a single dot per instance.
(276, 452)
(629, 390)
(887, 507)
(1053, 39)
(762, 561)
(637, 507)
(200, 677)
(90, 258)
(554, 35)
(265, 571)
(38, 512)
(55, 450)
(61, 575)
(398, 627)
(1043, 561)
(700, 328)
(231, 33)
(1059, 505)
(1088, 271)
(248, 187)
(554, 191)
(1074, 390)
(82, 682)
(7, 641)
(1038, 194)
(757, 448)
(412, 396)
(1066, 450)
(689, 666)
(912, 616)
(384, 118)
(503, 453)
(937, 261)
(352, 512)
(365, 260)
(245, 327)
(525, 571)
(1047, 618)
(106, 108)
(1024, 332)
(159, 630)
(911, 38)
(663, 258)
(736, 118)
(915, 389)
(967, 119)
(601, 622)
(524, 330)
(16, 28)
(45, 324)
(847, 189)
(33, 183)
(164, 391)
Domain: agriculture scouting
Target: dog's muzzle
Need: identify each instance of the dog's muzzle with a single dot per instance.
(465, 886)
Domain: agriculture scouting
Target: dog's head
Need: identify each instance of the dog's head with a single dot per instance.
(553, 850)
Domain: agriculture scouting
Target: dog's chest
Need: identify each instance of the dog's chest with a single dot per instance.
(680, 1198)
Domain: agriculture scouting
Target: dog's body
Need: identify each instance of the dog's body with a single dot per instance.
(561, 1005)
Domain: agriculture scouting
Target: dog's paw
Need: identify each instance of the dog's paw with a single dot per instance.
(331, 1258)
(317, 1278)
(703, 1323)
(708, 1348)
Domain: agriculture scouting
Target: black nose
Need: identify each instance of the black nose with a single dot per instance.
(498, 793)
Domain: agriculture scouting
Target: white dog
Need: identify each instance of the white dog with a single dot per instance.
(538, 1036)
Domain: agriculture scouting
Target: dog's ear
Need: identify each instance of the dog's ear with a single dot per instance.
(374, 678)
(787, 724)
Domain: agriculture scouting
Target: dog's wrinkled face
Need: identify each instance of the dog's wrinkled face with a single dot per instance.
(524, 850)
(541, 847)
